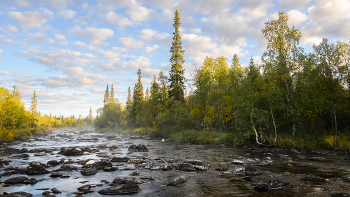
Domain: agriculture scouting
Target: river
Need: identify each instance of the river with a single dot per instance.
(289, 166)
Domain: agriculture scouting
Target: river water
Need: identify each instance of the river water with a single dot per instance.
(290, 166)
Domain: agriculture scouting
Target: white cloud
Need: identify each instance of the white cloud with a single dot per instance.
(67, 13)
(0, 51)
(139, 14)
(59, 36)
(9, 29)
(115, 18)
(151, 49)
(147, 34)
(109, 55)
(325, 8)
(288, 4)
(84, 45)
(97, 35)
(130, 43)
(5, 40)
(40, 38)
(295, 18)
(139, 62)
(31, 20)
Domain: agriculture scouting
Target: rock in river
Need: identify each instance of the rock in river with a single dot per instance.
(120, 159)
(89, 171)
(271, 185)
(20, 179)
(247, 171)
(37, 170)
(127, 180)
(19, 194)
(139, 148)
(84, 187)
(121, 189)
(312, 177)
(176, 181)
(71, 151)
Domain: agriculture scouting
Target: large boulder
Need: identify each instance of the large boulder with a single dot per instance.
(67, 167)
(19, 194)
(185, 167)
(20, 180)
(121, 189)
(127, 180)
(176, 181)
(120, 159)
(89, 171)
(37, 170)
(71, 151)
(271, 185)
(138, 148)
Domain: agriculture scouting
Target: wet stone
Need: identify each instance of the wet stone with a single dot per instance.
(121, 189)
(66, 167)
(55, 191)
(19, 194)
(138, 148)
(312, 177)
(84, 187)
(89, 171)
(56, 175)
(127, 180)
(110, 169)
(271, 185)
(37, 170)
(176, 181)
(346, 178)
(20, 180)
(186, 167)
(71, 152)
(53, 163)
(120, 159)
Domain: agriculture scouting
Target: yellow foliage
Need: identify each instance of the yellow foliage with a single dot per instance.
(330, 140)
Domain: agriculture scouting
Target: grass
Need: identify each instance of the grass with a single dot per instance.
(247, 138)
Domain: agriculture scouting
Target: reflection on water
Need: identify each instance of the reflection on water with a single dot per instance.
(287, 167)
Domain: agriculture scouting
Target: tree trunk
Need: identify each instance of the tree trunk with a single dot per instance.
(273, 121)
(290, 105)
(256, 133)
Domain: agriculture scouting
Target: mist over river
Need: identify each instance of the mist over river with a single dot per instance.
(207, 170)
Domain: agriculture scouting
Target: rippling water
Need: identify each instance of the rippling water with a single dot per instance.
(207, 183)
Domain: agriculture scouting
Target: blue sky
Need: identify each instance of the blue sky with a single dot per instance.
(69, 50)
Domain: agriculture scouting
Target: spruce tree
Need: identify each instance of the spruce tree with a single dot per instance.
(107, 97)
(176, 89)
(33, 109)
(129, 101)
(111, 95)
(137, 95)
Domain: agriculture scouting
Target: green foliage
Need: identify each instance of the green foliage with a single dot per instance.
(177, 79)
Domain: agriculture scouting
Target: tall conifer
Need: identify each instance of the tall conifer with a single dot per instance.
(176, 79)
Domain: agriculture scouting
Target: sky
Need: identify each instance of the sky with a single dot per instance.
(69, 50)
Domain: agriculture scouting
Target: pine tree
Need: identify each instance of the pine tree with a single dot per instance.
(107, 97)
(147, 94)
(33, 109)
(176, 89)
(137, 95)
(129, 101)
(90, 116)
(111, 95)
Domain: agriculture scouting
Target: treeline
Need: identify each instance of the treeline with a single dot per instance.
(292, 98)
(17, 122)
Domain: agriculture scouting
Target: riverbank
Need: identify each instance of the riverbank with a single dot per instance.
(288, 141)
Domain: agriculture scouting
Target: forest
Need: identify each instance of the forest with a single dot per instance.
(16, 122)
(292, 99)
